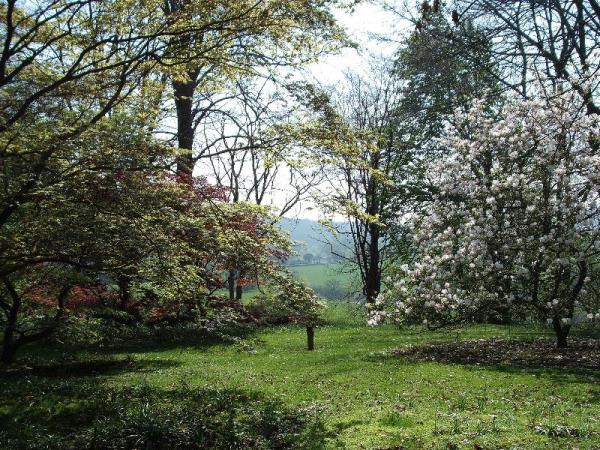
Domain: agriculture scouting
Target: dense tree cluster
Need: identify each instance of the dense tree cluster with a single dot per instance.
(507, 221)
(141, 141)
(99, 206)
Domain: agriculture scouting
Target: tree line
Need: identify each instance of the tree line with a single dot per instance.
(107, 108)
(141, 144)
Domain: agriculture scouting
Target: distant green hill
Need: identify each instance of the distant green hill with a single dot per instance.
(331, 281)
(313, 238)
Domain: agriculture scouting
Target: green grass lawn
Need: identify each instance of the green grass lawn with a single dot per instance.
(321, 274)
(328, 280)
(321, 277)
(370, 399)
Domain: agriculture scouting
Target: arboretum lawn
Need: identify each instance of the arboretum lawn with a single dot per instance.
(373, 400)
(320, 274)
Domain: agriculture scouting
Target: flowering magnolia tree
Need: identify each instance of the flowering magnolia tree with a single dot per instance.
(514, 223)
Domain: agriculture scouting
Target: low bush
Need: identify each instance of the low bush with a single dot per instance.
(268, 309)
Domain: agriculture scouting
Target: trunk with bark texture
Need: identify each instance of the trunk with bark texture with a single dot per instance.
(561, 331)
(310, 337)
(235, 288)
(184, 92)
(372, 272)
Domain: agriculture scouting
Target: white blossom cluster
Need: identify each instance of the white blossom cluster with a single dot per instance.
(514, 221)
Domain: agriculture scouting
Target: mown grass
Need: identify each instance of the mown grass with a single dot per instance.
(316, 275)
(367, 398)
(330, 281)
(321, 277)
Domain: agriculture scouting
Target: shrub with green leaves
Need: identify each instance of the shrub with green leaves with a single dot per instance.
(288, 301)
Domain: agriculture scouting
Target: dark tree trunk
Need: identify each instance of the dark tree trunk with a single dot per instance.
(561, 340)
(8, 344)
(231, 285)
(372, 272)
(238, 292)
(124, 293)
(184, 93)
(561, 331)
(310, 337)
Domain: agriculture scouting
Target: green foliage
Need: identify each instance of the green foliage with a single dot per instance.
(267, 309)
(97, 329)
(287, 300)
(445, 66)
(87, 187)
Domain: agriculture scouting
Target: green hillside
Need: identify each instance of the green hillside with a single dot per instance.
(332, 281)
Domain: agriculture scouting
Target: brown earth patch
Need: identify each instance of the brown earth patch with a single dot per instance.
(581, 353)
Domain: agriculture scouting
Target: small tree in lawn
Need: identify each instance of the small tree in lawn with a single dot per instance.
(303, 304)
(308, 258)
(515, 221)
(297, 302)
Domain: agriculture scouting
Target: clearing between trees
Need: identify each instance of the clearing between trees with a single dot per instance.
(265, 390)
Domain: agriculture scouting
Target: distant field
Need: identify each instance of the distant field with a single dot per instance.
(329, 280)
(320, 274)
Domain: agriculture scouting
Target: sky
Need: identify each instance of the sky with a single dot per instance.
(363, 24)
(366, 21)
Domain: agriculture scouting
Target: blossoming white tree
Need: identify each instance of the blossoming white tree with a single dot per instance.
(515, 222)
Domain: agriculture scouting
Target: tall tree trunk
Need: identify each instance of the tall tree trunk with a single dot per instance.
(238, 292)
(124, 293)
(372, 272)
(184, 93)
(561, 331)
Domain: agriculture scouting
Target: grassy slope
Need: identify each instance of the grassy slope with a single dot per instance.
(320, 274)
(328, 280)
(315, 275)
(371, 400)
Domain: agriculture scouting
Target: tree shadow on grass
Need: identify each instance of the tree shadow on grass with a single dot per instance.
(136, 341)
(83, 413)
(578, 363)
(177, 338)
(86, 368)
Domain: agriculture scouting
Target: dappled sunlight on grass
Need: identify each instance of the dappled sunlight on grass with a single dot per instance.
(369, 398)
